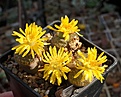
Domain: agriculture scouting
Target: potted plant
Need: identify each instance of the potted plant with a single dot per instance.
(56, 61)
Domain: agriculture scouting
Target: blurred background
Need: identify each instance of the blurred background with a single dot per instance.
(101, 18)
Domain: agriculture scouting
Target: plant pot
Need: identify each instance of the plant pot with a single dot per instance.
(21, 89)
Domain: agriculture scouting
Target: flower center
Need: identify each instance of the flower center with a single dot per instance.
(56, 64)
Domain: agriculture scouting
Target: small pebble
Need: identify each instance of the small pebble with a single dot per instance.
(20, 75)
(58, 93)
(47, 92)
(43, 91)
(77, 91)
(29, 81)
(14, 70)
(36, 89)
(10, 66)
(25, 80)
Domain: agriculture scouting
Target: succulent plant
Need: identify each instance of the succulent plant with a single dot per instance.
(31, 44)
(66, 27)
(55, 64)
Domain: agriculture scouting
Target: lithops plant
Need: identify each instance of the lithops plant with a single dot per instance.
(28, 52)
(63, 32)
(55, 67)
(88, 66)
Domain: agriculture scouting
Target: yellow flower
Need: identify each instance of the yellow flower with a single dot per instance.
(91, 65)
(66, 28)
(55, 64)
(30, 41)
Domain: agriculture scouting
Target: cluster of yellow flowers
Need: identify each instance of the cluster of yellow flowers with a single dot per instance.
(31, 41)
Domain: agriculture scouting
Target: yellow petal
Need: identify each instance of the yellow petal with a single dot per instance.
(22, 31)
(79, 73)
(26, 52)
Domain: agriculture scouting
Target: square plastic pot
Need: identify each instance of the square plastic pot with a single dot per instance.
(20, 89)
